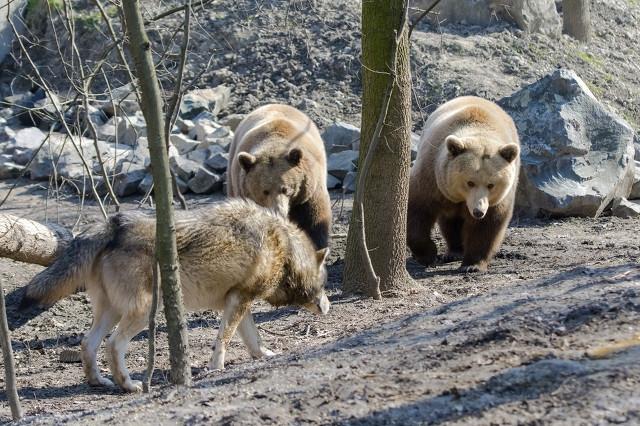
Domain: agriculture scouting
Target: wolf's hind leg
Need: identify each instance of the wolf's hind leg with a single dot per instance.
(104, 318)
(129, 326)
(235, 308)
(251, 338)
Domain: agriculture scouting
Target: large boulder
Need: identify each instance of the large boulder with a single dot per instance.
(6, 32)
(577, 156)
(530, 15)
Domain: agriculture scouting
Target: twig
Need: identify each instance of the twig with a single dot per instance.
(371, 277)
(176, 98)
(413, 24)
(175, 10)
(151, 357)
(9, 366)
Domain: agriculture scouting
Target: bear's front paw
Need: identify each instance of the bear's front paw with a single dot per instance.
(476, 267)
(451, 256)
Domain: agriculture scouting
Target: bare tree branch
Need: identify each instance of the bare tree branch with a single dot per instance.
(9, 366)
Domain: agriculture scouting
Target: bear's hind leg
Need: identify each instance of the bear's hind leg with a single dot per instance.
(482, 239)
(419, 224)
(451, 228)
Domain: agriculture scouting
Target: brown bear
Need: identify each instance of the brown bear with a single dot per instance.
(465, 178)
(277, 159)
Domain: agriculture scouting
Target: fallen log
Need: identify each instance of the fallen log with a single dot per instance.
(31, 242)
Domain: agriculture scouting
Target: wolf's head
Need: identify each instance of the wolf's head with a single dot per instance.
(304, 281)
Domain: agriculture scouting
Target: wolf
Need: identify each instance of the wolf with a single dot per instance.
(230, 253)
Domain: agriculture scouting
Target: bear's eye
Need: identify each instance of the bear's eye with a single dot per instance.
(471, 184)
(490, 186)
(265, 192)
(284, 191)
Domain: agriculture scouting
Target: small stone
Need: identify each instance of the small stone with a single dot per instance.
(9, 169)
(205, 182)
(184, 168)
(129, 179)
(232, 121)
(145, 184)
(625, 209)
(182, 143)
(341, 137)
(184, 125)
(341, 163)
(218, 162)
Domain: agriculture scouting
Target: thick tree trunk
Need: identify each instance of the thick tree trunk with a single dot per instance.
(576, 19)
(166, 249)
(31, 242)
(387, 182)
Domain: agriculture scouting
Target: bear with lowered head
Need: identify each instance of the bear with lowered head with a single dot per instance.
(277, 159)
(464, 178)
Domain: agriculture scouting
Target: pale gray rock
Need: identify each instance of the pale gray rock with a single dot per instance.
(184, 168)
(341, 163)
(218, 162)
(205, 182)
(341, 136)
(577, 156)
(333, 182)
(349, 183)
(183, 143)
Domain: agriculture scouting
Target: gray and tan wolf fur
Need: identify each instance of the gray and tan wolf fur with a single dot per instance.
(231, 254)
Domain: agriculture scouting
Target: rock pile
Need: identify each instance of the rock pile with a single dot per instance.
(577, 156)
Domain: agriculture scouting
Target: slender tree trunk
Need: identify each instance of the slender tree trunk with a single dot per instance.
(387, 180)
(166, 249)
(576, 19)
(9, 367)
(32, 242)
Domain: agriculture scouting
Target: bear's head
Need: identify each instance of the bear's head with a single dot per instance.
(478, 171)
(273, 181)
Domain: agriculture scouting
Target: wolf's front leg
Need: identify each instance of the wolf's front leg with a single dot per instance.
(251, 338)
(235, 307)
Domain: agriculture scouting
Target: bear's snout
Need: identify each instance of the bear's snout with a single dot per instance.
(478, 213)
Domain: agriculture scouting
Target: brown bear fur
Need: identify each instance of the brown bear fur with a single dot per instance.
(277, 159)
(467, 165)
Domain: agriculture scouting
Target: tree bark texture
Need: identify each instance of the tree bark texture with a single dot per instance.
(9, 366)
(32, 242)
(576, 19)
(166, 249)
(387, 182)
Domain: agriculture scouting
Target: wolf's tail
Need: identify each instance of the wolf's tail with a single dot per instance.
(69, 271)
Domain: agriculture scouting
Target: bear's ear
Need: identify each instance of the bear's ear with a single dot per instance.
(455, 146)
(509, 152)
(246, 160)
(294, 156)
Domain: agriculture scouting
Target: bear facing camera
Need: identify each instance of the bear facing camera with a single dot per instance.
(277, 159)
(464, 178)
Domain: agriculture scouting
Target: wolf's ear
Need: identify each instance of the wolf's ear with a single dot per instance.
(509, 152)
(321, 255)
(455, 146)
(246, 160)
(294, 156)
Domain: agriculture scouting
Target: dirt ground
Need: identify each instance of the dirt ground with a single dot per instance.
(506, 347)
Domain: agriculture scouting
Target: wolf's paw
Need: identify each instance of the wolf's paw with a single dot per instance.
(264, 352)
(216, 363)
(100, 381)
(133, 386)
